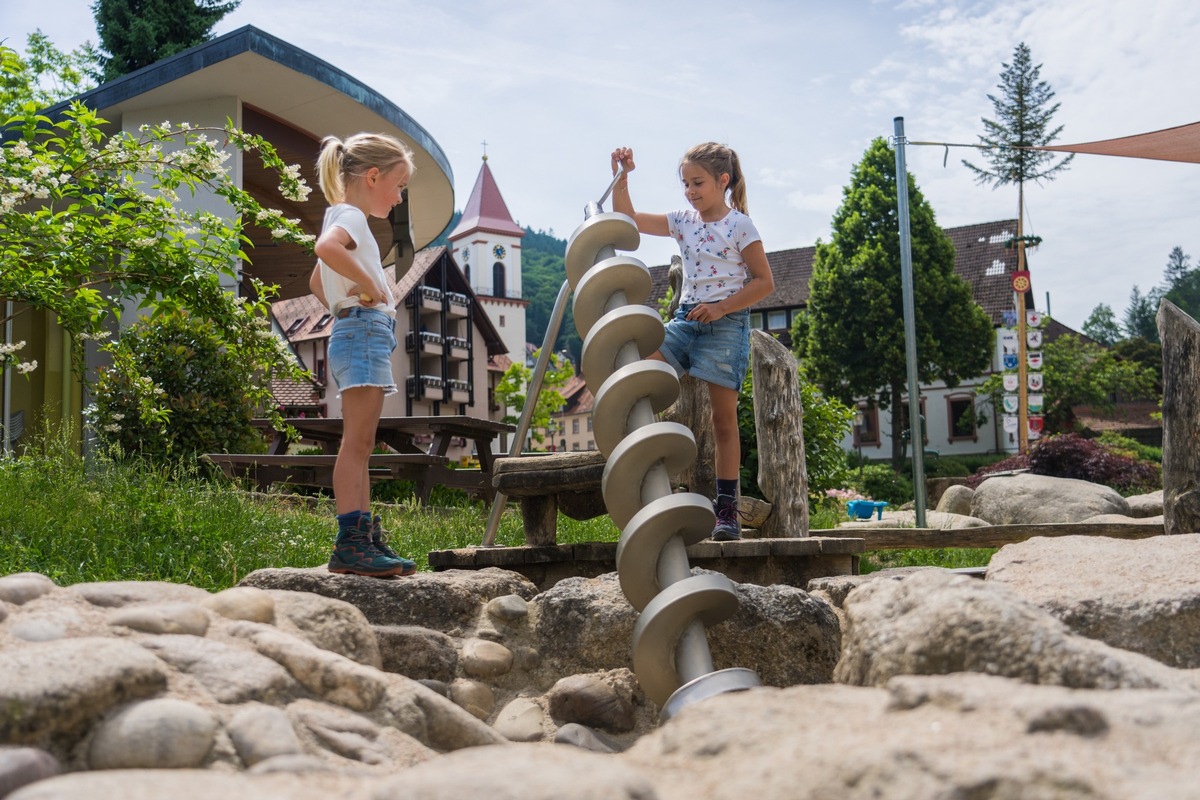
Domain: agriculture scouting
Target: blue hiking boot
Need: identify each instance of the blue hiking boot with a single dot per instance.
(729, 528)
(355, 554)
(379, 538)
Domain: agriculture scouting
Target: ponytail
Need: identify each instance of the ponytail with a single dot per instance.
(329, 170)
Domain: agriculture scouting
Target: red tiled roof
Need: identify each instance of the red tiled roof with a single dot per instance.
(295, 393)
(485, 209)
(982, 259)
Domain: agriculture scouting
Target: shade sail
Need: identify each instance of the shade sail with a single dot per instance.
(1173, 144)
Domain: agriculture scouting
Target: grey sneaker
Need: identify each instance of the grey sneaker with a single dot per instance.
(379, 538)
(729, 528)
(355, 554)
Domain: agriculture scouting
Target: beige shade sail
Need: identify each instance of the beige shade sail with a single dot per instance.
(1173, 144)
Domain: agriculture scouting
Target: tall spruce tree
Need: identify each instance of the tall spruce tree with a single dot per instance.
(135, 33)
(855, 324)
(1023, 114)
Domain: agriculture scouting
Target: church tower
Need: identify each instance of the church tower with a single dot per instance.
(487, 245)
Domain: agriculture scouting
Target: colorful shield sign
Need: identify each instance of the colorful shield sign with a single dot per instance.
(1035, 359)
(1010, 423)
(1009, 360)
(1036, 424)
(1034, 318)
(1011, 403)
(1033, 338)
(1012, 382)
(1035, 402)
(1009, 318)
(1035, 381)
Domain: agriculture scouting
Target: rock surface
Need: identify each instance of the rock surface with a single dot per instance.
(1139, 595)
(1068, 672)
(1028, 499)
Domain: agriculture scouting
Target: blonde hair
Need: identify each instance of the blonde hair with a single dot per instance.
(355, 157)
(717, 160)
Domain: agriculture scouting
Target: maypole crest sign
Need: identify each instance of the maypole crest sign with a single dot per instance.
(1020, 281)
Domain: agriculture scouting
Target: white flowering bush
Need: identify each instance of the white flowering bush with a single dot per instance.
(89, 220)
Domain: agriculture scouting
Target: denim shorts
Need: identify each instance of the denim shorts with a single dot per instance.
(713, 352)
(360, 350)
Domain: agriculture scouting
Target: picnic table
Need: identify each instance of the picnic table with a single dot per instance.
(410, 457)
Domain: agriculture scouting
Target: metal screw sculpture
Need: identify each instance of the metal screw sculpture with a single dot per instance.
(671, 656)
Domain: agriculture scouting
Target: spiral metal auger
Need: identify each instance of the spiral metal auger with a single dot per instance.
(671, 656)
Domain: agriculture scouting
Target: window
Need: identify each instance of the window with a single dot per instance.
(498, 283)
(960, 412)
(903, 411)
(866, 428)
(323, 321)
(589, 421)
(295, 326)
(320, 370)
(591, 444)
(575, 446)
(575, 425)
(501, 320)
(756, 320)
(777, 320)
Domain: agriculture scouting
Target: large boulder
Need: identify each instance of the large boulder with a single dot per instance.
(1027, 499)
(444, 601)
(936, 622)
(958, 736)
(785, 634)
(1146, 505)
(1141, 595)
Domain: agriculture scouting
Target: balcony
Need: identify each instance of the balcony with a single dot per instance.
(458, 391)
(427, 298)
(424, 342)
(457, 305)
(458, 347)
(428, 387)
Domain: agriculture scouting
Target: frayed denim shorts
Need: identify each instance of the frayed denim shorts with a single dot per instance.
(360, 350)
(713, 352)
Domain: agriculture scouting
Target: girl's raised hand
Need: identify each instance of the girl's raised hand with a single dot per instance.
(624, 157)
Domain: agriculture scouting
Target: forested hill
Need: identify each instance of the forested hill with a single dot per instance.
(542, 273)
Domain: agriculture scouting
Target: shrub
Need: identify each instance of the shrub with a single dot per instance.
(1072, 456)
(880, 482)
(826, 422)
(174, 390)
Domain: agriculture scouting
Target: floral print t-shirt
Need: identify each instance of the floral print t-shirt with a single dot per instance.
(713, 267)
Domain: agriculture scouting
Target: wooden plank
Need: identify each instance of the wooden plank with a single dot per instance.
(991, 536)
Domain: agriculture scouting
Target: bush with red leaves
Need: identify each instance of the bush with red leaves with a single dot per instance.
(1070, 455)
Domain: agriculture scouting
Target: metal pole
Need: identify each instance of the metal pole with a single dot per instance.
(539, 372)
(916, 432)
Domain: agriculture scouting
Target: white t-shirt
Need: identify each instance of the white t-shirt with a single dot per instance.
(353, 221)
(713, 267)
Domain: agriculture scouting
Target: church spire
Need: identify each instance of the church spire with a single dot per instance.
(485, 209)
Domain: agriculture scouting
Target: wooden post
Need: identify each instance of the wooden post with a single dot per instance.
(694, 410)
(778, 423)
(1180, 336)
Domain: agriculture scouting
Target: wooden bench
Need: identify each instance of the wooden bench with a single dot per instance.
(317, 470)
(548, 483)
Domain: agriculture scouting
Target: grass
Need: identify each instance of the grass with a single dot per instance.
(106, 519)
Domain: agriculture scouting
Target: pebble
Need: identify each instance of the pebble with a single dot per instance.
(154, 734)
(243, 602)
(261, 732)
(21, 587)
(185, 618)
(477, 698)
(522, 720)
(582, 736)
(20, 766)
(484, 659)
(509, 608)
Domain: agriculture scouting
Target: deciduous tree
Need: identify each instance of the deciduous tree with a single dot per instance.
(1101, 325)
(855, 344)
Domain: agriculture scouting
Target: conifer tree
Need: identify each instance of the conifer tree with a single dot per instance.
(855, 321)
(1023, 117)
(136, 33)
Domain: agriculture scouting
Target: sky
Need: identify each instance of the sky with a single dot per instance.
(799, 88)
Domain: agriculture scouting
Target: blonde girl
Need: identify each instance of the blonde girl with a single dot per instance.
(725, 272)
(364, 176)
